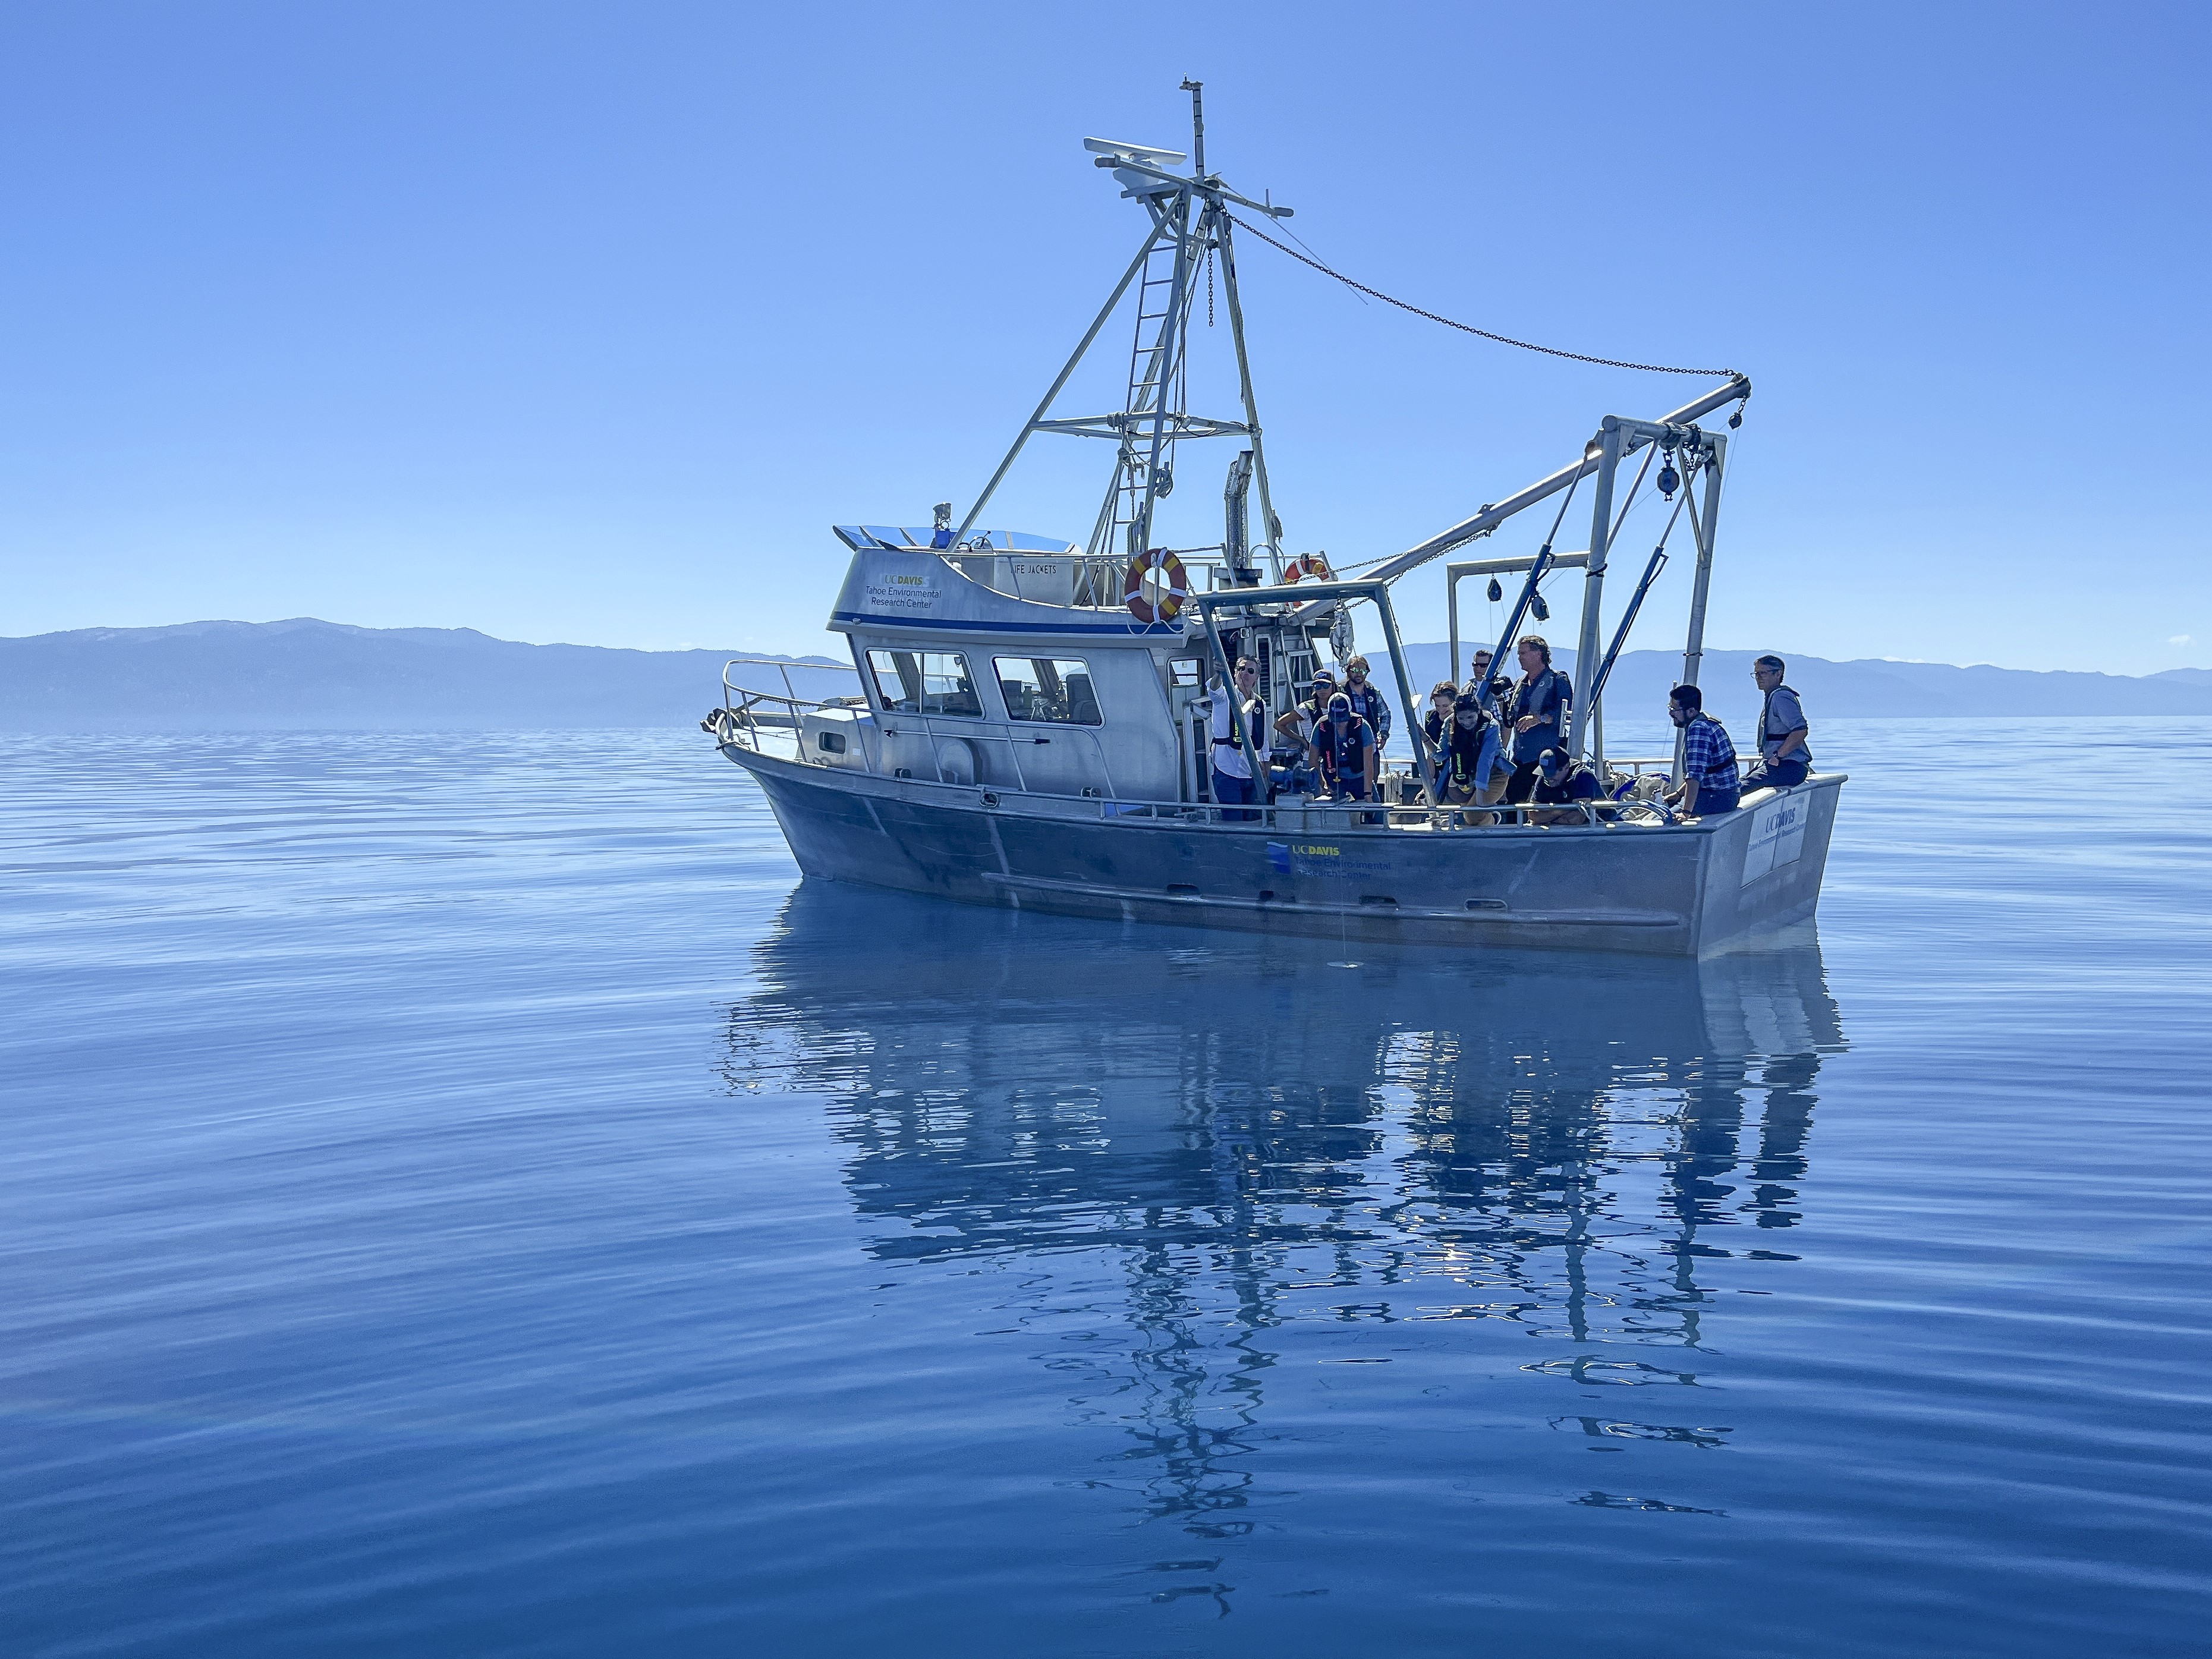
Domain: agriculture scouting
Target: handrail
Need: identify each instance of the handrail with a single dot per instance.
(724, 724)
(779, 664)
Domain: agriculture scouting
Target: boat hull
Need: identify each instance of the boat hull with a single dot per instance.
(1692, 890)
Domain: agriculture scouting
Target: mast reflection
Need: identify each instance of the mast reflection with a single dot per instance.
(1191, 1140)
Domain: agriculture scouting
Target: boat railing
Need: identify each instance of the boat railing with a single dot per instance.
(1100, 581)
(747, 710)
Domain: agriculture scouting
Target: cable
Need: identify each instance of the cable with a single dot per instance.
(1469, 328)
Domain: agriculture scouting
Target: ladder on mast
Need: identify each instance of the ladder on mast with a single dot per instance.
(1154, 392)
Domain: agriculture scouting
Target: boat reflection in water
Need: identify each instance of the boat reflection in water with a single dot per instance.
(1196, 1146)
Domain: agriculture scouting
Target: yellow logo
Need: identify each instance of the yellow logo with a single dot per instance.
(1323, 851)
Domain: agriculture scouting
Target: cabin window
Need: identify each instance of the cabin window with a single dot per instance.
(1057, 689)
(924, 683)
(1186, 673)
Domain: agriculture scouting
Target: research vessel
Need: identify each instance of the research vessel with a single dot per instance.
(1030, 722)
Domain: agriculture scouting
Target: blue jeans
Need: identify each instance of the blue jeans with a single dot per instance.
(1713, 801)
(1234, 792)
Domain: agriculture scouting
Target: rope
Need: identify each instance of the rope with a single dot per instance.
(1469, 328)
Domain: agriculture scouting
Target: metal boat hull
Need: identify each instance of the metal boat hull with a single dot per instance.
(1691, 890)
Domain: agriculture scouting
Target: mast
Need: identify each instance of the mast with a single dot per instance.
(1189, 221)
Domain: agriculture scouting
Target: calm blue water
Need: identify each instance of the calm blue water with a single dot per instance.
(464, 1196)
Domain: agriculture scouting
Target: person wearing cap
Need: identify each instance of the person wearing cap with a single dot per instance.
(1559, 780)
(1233, 783)
(1343, 748)
(1783, 759)
(1294, 767)
(1538, 715)
(1710, 781)
(1464, 742)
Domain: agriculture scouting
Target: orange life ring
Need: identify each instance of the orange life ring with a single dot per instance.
(1171, 571)
(1308, 564)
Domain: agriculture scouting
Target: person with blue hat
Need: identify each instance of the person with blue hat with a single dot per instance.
(1560, 780)
(1344, 748)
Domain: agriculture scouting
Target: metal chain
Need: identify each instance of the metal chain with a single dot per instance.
(1469, 328)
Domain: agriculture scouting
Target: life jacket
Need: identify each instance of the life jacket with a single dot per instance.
(1766, 732)
(1343, 748)
(1371, 704)
(1460, 752)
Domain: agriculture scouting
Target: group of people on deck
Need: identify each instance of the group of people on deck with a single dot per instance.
(1329, 745)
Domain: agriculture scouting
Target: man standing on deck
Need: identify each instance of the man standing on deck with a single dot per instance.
(1783, 759)
(1710, 782)
(1540, 715)
(1233, 784)
(1368, 700)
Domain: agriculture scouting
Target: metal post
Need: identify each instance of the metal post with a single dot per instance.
(1091, 334)
(1451, 611)
(1491, 517)
(1270, 527)
(1197, 91)
(1414, 733)
(1586, 646)
(1693, 649)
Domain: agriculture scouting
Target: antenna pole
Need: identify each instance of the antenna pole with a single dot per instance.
(1197, 91)
(1271, 527)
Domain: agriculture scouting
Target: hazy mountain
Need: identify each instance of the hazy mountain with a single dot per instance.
(1872, 687)
(306, 675)
(309, 675)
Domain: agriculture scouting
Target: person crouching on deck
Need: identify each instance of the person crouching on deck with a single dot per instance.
(1343, 748)
(1559, 781)
(1463, 743)
(1710, 782)
(1233, 783)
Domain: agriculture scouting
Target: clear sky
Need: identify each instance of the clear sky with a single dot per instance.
(585, 322)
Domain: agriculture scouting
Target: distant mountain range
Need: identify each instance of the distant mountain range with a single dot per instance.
(305, 675)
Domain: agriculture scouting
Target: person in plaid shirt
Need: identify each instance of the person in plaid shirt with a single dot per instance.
(1710, 782)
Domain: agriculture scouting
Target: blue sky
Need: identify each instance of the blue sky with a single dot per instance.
(583, 323)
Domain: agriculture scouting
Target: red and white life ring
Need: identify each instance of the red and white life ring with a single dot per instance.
(1172, 573)
(1308, 564)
